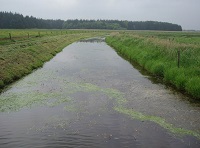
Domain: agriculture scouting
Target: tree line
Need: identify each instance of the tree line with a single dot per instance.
(9, 20)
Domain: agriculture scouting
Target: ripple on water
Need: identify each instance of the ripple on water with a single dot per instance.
(87, 96)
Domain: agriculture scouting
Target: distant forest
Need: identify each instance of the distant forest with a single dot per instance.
(9, 20)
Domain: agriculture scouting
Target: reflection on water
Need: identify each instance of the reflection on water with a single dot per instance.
(94, 40)
(87, 96)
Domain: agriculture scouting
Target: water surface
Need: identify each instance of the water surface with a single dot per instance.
(88, 96)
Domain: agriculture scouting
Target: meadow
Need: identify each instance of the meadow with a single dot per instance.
(157, 52)
(27, 50)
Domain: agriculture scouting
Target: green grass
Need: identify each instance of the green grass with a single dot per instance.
(157, 53)
(4, 33)
(20, 56)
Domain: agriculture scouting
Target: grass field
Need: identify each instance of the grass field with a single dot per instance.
(8, 36)
(21, 54)
(157, 52)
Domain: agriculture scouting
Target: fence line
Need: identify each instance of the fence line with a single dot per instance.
(11, 35)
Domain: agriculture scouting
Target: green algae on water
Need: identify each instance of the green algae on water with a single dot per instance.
(160, 121)
(26, 95)
(111, 93)
(17, 101)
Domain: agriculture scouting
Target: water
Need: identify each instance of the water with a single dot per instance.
(88, 96)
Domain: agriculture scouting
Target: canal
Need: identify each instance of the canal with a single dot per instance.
(88, 96)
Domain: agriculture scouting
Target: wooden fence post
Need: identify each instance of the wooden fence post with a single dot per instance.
(28, 35)
(10, 36)
(179, 54)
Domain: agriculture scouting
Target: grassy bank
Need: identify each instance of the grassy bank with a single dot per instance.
(21, 55)
(157, 53)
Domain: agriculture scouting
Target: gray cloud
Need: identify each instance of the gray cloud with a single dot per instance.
(183, 12)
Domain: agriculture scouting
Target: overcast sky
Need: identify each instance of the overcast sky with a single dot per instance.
(183, 12)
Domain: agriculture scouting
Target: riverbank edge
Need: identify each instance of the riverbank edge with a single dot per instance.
(159, 69)
(27, 59)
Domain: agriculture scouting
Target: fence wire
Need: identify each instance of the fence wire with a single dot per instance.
(190, 58)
